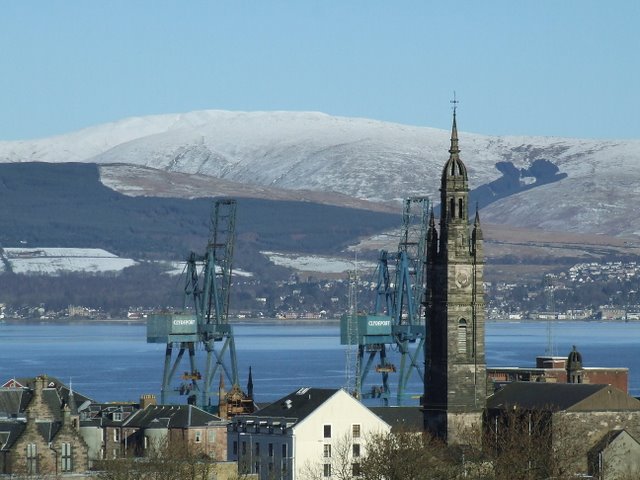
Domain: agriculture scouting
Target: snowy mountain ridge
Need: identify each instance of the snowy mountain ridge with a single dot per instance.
(550, 183)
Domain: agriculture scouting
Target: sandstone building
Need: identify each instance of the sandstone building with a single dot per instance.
(455, 371)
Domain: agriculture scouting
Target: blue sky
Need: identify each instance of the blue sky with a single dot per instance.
(543, 67)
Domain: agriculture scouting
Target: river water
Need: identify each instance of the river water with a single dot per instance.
(113, 362)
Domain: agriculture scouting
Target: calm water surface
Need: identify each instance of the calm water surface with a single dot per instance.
(110, 362)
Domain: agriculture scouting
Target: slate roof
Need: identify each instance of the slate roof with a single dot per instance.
(297, 405)
(171, 416)
(9, 433)
(62, 389)
(542, 396)
(408, 419)
(103, 414)
(13, 401)
(48, 430)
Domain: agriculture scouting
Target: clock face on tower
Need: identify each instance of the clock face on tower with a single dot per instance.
(463, 277)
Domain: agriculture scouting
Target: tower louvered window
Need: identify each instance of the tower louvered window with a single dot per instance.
(462, 336)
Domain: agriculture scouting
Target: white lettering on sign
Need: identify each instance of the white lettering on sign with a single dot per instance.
(379, 323)
(190, 321)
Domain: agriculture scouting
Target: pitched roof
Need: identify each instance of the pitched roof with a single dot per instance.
(609, 438)
(544, 396)
(9, 433)
(54, 383)
(13, 401)
(297, 405)
(48, 430)
(171, 416)
(409, 419)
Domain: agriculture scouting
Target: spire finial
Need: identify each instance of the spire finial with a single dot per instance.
(477, 219)
(455, 103)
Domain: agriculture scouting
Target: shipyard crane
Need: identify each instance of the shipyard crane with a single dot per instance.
(206, 327)
(397, 322)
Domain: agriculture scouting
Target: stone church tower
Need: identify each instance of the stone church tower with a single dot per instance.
(455, 370)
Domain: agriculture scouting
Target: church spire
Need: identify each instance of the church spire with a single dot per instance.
(454, 149)
(250, 385)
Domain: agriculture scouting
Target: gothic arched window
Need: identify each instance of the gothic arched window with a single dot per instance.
(460, 207)
(462, 336)
(452, 213)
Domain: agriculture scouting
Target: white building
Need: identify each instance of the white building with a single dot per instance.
(311, 430)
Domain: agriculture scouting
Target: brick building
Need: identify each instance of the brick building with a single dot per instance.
(568, 369)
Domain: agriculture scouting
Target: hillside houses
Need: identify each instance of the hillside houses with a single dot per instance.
(585, 291)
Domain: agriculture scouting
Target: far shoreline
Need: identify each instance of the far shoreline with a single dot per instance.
(260, 321)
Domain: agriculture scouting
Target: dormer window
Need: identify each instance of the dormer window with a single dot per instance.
(117, 416)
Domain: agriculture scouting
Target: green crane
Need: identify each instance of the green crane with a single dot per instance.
(397, 322)
(206, 294)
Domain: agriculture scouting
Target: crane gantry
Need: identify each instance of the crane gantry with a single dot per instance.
(206, 327)
(397, 321)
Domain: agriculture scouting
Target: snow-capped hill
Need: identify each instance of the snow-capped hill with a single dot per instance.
(545, 182)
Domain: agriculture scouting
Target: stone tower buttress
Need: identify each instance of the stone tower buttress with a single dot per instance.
(455, 370)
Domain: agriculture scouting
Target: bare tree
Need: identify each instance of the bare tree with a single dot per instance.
(163, 461)
(407, 456)
(339, 459)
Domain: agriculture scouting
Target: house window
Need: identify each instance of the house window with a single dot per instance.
(32, 458)
(327, 431)
(284, 450)
(244, 448)
(462, 336)
(235, 447)
(355, 469)
(355, 431)
(327, 470)
(66, 461)
(356, 450)
(257, 467)
(257, 449)
(212, 436)
(198, 436)
(117, 416)
(271, 449)
(327, 451)
(116, 435)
